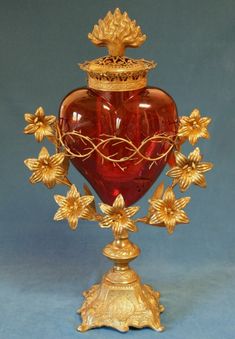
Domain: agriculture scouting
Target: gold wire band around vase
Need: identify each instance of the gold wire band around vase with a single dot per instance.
(97, 145)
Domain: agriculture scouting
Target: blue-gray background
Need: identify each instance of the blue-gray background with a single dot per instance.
(45, 266)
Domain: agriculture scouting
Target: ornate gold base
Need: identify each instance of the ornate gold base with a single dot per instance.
(120, 300)
(118, 304)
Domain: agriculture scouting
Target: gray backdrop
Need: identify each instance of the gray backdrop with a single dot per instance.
(45, 266)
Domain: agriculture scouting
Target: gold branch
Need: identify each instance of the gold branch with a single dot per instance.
(98, 145)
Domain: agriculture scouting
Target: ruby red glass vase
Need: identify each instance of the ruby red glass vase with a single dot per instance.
(111, 125)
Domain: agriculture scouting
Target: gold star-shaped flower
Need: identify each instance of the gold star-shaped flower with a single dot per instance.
(189, 170)
(50, 170)
(39, 124)
(118, 217)
(194, 127)
(72, 207)
(168, 210)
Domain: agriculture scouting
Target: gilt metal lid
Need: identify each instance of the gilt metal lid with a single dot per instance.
(117, 72)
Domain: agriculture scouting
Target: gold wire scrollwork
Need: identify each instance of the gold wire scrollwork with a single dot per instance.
(98, 145)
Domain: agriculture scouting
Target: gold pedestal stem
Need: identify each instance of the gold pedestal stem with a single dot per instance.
(120, 300)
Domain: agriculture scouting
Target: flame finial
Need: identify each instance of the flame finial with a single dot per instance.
(117, 31)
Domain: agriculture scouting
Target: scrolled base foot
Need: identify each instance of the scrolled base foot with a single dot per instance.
(121, 306)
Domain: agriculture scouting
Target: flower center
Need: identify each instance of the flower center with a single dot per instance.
(195, 124)
(169, 211)
(38, 121)
(47, 167)
(74, 206)
(118, 216)
(189, 167)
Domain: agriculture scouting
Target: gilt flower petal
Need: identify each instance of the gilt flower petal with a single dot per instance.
(49, 180)
(86, 200)
(205, 121)
(40, 112)
(169, 195)
(204, 133)
(50, 119)
(156, 218)
(181, 203)
(183, 130)
(73, 192)
(184, 183)
(39, 134)
(58, 172)
(131, 226)
(57, 159)
(30, 129)
(175, 172)
(28, 117)
(182, 218)
(204, 166)
(32, 164)
(73, 222)
(130, 211)
(86, 214)
(195, 156)
(106, 208)
(106, 222)
(119, 202)
(60, 199)
(47, 131)
(36, 177)
(60, 215)
(157, 204)
(193, 138)
(43, 154)
(195, 113)
(170, 223)
(181, 159)
(199, 179)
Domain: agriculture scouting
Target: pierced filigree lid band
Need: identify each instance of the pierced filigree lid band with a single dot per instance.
(117, 72)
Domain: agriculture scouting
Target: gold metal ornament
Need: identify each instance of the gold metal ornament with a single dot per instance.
(72, 207)
(117, 31)
(120, 300)
(108, 142)
(39, 124)
(194, 127)
(50, 170)
(118, 217)
(189, 170)
(117, 72)
(168, 211)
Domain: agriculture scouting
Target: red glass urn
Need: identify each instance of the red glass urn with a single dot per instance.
(118, 131)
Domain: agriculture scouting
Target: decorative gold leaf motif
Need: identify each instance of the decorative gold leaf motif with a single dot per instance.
(118, 217)
(189, 170)
(39, 124)
(168, 210)
(87, 191)
(157, 194)
(72, 207)
(50, 170)
(117, 31)
(194, 127)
